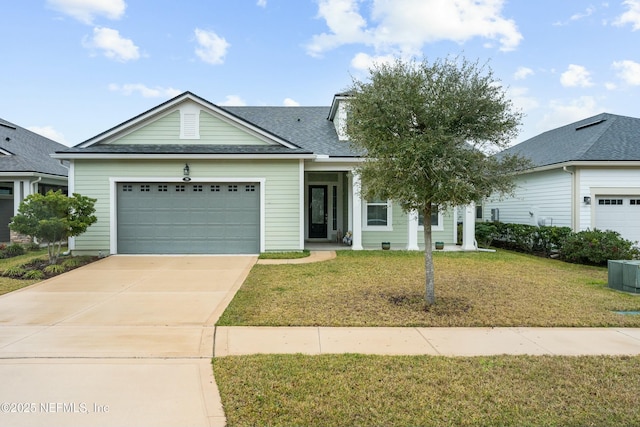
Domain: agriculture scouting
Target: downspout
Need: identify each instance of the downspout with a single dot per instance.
(573, 198)
(33, 184)
(68, 251)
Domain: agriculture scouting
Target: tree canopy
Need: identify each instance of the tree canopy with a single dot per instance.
(53, 218)
(429, 131)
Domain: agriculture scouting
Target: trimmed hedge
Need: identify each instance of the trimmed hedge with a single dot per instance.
(592, 247)
(544, 240)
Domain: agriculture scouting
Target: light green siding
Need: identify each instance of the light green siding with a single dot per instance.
(216, 131)
(213, 130)
(281, 204)
(399, 235)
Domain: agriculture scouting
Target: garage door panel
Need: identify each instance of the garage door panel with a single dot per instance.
(188, 218)
(619, 213)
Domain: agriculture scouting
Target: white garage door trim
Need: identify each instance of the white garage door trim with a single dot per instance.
(113, 192)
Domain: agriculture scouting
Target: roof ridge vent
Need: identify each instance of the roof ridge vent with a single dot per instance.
(597, 122)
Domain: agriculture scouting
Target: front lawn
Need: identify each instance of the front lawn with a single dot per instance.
(386, 288)
(358, 390)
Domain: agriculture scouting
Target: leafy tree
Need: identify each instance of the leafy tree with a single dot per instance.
(53, 218)
(428, 130)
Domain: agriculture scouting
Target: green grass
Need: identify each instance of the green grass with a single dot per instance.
(284, 255)
(8, 284)
(386, 288)
(358, 390)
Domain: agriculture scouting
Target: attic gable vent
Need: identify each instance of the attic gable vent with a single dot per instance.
(189, 122)
(597, 122)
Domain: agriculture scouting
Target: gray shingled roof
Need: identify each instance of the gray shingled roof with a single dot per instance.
(306, 127)
(30, 152)
(605, 137)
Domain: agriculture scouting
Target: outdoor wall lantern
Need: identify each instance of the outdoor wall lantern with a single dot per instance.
(587, 200)
(186, 171)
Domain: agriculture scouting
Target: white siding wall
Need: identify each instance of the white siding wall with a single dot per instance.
(539, 195)
(598, 182)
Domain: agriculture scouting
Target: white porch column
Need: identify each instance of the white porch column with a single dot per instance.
(412, 229)
(17, 196)
(469, 228)
(356, 214)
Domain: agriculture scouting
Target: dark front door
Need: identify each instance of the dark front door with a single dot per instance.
(318, 212)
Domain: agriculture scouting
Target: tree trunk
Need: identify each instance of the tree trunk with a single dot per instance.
(430, 294)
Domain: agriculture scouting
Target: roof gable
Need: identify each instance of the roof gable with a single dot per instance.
(187, 120)
(605, 137)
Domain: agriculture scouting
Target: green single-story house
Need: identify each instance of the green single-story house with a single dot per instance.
(191, 177)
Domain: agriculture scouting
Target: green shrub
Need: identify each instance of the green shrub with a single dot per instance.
(544, 240)
(33, 246)
(549, 239)
(485, 233)
(14, 249)
(33, 275)
(72, 262)
(596, 247)
(15, 272)
(54, 269)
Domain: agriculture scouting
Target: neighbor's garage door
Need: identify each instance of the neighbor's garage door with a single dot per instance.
(188, 218)
(619, 213)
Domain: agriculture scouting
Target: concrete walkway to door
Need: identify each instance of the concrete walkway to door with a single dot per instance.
(125, 341)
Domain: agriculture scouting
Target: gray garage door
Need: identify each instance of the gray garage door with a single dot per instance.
(188, 218)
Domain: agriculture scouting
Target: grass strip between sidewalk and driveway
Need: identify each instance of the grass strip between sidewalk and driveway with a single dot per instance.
(386, 288)
(362, 390)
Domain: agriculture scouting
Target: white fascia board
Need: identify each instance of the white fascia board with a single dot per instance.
(102, 156)
(32, 174)
(592, 163)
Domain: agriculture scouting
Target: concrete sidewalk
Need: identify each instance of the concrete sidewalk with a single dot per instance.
(232, 341)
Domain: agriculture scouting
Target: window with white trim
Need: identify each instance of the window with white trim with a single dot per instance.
(377, 215)
(437, 222)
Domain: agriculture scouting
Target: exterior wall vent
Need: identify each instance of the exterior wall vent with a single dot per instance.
(189, 122)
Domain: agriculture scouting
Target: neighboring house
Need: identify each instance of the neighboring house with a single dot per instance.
(586, 175)
(26, 167)
(189, 176)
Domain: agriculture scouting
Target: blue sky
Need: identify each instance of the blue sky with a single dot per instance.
(74, 68)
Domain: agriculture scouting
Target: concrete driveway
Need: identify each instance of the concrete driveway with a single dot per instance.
(125, 341)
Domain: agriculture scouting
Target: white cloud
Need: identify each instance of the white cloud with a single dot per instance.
(521, 99)
(406, 25)
(610, 86)
(49, 132)
(112, 44)
(561, 113)
(576, 76)
(577, 16)
(631, 16)
(365, 62)
(212, 48)
(86, 10)
(145, 91)
(262, 3)
(233, 100)
(522, 73)
(288, 102)
(628, 71)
